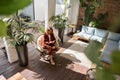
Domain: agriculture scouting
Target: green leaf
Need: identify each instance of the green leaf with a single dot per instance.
(104, 74)
(115, 66)
(92, 51)
(42, 29)
(3, 28)
(10, 6)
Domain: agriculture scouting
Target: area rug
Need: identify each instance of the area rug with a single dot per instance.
(76, 54)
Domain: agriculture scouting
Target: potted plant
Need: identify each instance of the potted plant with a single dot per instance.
(19, 37)
(59, 22)
(98, 21)
(90, 7)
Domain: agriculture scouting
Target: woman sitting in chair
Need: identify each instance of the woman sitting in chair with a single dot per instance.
(49, 43)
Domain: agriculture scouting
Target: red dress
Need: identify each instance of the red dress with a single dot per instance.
(49, 43)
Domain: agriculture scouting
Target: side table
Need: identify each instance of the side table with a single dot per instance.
(72, 27)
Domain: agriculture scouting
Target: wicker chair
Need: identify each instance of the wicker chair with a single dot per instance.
(44, 52)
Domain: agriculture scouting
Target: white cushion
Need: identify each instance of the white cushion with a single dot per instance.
(99, 39)
(88, 30)
(101, 33)
(111, 45)
(114, 36)
(106, 57)
(84, 36)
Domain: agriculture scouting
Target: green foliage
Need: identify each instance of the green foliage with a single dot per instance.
(93, 55)
(90, 6)
(99, 21)
(59, 21)
(103, 74)
(115, 66)
(92, 51)
(42, 29)
(11, 6)
(115, 25)
(17, 31)
(8, 7)
(2, 28)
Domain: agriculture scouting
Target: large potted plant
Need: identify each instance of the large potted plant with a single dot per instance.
(90, 7)
(19, 37)
(98, 21)
(59, 22)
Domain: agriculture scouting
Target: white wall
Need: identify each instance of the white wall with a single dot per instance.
(39, 8)
(59, 9)
(40, 5)
(49, 11)
(73, 11)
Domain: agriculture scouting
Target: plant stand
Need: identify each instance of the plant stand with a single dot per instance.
(22, 52)
(61, 34)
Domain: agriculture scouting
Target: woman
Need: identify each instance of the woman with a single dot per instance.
(49, 43)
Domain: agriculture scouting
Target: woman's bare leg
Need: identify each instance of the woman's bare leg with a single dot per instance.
(51, 60)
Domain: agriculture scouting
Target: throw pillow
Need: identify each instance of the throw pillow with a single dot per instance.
(88, 30)
(101, 33)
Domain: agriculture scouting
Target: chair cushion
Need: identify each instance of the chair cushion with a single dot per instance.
(39, 40)
(111, 45)
(114, 36)
(101, 33)
(88, 30)
(99, 39)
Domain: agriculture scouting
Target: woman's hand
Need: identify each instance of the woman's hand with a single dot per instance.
(52, 42)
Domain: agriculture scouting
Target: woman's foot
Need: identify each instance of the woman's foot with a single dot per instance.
(51, 60)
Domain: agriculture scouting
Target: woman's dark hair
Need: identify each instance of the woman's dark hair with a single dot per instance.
(51, 29)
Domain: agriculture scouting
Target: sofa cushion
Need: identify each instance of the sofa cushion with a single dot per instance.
(88, 30)
(99, 39)
(114, 36)
(109, 47)
(101, 33)
(84, 36)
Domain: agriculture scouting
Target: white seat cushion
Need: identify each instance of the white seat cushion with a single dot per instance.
(99, 39)
(84, 36)
(109, 47)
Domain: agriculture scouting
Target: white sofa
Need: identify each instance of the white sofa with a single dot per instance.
(110, 40)
(112, 43)
(86, 33)
(89, 33)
